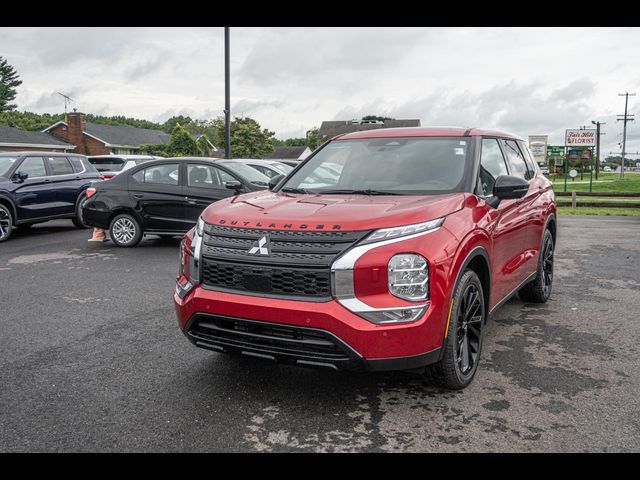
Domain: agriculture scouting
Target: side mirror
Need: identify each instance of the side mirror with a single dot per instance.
(234, 185)
(275, 180)
(508, 186)
(19, 177)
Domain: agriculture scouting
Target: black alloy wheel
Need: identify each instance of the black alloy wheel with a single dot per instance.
(469, 332)
(6, 223)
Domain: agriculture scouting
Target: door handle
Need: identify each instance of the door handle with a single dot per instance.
(138, 195)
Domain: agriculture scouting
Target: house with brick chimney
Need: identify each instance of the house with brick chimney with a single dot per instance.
(98, 139)
(15, 140)
(331, 128)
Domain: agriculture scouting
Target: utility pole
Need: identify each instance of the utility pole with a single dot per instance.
(227, 96)
(625, 118)
(597, 124)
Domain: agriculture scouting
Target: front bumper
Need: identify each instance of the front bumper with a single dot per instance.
(306, 333)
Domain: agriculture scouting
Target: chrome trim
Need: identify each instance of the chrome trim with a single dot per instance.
(348, 260)
(342, 271)
(195, 258)
(356, 305)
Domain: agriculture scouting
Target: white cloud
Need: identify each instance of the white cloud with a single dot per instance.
(528, 80)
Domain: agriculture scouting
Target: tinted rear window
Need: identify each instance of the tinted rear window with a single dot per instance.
(107, 164)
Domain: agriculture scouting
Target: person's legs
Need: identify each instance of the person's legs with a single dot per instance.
(99, 235)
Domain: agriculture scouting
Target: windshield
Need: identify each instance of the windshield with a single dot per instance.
(250, 174)
(394, 166)
(5, 165)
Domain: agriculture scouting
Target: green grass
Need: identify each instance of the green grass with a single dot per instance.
(624, 212)
(607, 182)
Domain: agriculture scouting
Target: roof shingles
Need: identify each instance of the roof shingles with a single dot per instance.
(11, 135)
(122, 136)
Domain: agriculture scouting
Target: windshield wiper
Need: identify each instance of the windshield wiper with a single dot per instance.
(366, 191)
(293, 190)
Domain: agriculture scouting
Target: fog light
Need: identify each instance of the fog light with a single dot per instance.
(394, 316)
(409, 277)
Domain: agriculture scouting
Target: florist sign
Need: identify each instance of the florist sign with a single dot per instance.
(580, 138)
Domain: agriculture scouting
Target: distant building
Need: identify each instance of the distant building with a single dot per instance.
(289, 153)
(15, 140)
(330, 129)
(98, 139)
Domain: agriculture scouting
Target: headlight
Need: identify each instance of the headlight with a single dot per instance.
(394, 232)
(409, 276)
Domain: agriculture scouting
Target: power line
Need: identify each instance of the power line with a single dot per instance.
(625, 118)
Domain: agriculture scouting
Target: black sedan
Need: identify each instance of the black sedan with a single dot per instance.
(164, 197)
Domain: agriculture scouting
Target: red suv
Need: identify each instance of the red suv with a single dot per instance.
(384, 250)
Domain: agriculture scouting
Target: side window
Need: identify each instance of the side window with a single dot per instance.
(516, 160)
(33, 166)
(528, 157)
(225, 177)
(491, 165)
(165, 174)
(77, 164)
(60, 166)
(204, 176)
(265, 171)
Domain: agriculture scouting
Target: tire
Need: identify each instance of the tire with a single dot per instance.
(6, 223)
(459, 362)
(125, 230)
(77, 220)
(539, 289)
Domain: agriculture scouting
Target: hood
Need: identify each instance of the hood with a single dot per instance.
(269, 210)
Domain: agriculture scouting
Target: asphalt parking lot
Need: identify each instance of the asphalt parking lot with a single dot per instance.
(92, 360)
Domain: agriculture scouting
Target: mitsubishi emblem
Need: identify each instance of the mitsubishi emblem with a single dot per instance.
(261, 247)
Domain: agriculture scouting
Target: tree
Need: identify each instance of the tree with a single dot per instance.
(181, 143)
(153, 149)
(312, 138)
(171, 123)
(376, 117)
(9, 81)
(248, 139)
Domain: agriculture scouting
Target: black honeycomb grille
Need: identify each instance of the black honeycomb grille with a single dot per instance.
(298, 263)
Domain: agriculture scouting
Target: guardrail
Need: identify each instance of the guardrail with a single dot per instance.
(604, 199)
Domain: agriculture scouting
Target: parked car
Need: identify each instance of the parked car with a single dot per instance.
(111, 165)
(396, 265)
(37, 187)
(270, 168)
(544, 170)
(607, 169)
(291, 163)
(164, 197)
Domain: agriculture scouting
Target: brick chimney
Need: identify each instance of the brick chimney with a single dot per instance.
(77, 123)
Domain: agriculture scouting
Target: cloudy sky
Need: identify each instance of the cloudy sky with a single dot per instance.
(525, 80)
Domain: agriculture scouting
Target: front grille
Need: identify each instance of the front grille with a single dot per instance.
(278, 281)
(273, 340)
(298, 264)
